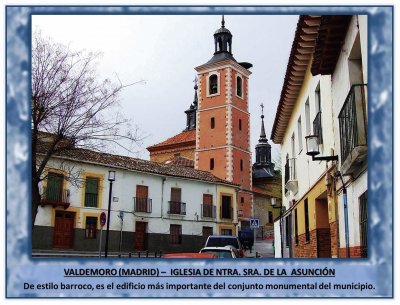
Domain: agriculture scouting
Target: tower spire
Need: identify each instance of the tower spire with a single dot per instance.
(191, 112)
(263, 137)
(195, 100)
(223, 21)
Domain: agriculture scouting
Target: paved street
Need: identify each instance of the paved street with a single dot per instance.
(262, 249)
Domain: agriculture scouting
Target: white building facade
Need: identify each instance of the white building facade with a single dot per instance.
(324, 103)
(350, 104)
(154, 207)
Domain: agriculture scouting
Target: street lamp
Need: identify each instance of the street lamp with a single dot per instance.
(313, 150)
(111, 178)
(235, 223)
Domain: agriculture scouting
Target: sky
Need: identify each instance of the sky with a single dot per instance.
(163, 50)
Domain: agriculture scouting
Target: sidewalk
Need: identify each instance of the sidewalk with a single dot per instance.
(91, 254)
(261, 249)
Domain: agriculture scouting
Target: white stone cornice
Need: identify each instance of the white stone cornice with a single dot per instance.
(224, 106)
(222, 65)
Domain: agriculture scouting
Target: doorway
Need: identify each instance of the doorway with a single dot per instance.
(63, 230)
(140, 236)
(323, 228)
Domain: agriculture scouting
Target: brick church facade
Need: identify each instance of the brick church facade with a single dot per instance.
(217, 133)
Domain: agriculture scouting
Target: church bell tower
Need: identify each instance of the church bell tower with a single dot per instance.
(223, 121)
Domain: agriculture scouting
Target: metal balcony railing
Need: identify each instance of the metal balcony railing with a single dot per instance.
(290, 170)
(291, 176)
(353, 120)
(91, 200)
(208, 210)
(143, 205)
(317, 127)
(177, 208)
(55, 197)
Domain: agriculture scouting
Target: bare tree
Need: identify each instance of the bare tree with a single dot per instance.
(71, 108)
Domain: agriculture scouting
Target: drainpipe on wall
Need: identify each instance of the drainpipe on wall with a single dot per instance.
(335, 202)
(346, 216)
(162, 195)
(280, 228)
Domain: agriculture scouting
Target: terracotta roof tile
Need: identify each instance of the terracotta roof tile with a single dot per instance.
(331, 36)
(180, 161)
(300, 54)
(185, 137)
(128, 163)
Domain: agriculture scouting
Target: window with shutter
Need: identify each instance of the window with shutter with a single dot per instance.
(91, 192)
(175, 203)
(142, 192)
(207, 205)
(54, 187)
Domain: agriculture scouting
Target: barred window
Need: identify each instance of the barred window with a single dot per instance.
(91, 227)
(226, 232)
(91, 192)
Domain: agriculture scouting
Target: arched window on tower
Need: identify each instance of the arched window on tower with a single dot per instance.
(239, 86)
(213, 84)
(219, 44)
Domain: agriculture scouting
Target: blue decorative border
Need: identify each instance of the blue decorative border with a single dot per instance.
(377, 269)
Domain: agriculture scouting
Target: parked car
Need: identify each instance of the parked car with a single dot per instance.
(246, 237)
(224, 240)
(190, 255)
(222, 252)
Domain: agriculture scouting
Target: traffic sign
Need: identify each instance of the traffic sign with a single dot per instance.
(103, 219)
(254, 223)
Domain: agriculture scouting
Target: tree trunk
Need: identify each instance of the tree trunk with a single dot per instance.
(35, 201)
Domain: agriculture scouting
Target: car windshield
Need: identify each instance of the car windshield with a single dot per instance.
(219, 253)
(221, 242)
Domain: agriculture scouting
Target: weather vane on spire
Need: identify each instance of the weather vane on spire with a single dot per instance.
(262, 110)
(195, 80)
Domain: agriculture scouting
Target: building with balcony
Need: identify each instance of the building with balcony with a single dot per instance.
(154, 206)
(305, 108)
(347, 63)
(321, 125)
